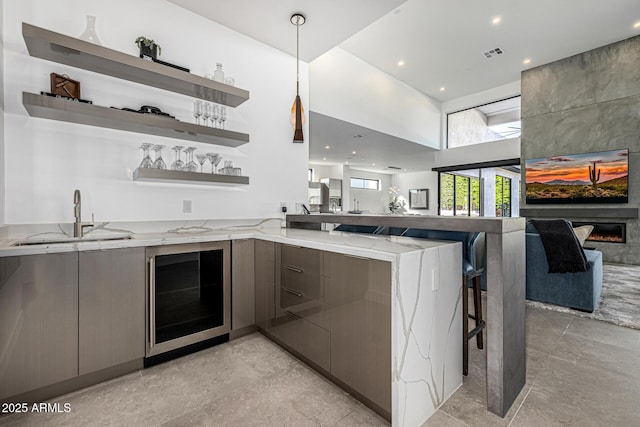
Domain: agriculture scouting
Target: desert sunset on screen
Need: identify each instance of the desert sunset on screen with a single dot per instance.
(575, 168)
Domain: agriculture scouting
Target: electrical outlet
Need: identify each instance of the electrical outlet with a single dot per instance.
(435, 279)
(283, 207)
(186, 206)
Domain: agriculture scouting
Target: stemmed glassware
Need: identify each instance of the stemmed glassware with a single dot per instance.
(197, 110)
(223, 116)
(215, 159)
(191, 166)
(158, 162)
(202, 159)
(178, 164)
(215, 113)
(206, 112)
(146, 158)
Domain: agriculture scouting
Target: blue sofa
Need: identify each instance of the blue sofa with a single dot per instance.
(579, 291)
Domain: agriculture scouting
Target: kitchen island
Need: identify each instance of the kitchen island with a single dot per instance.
(423, 289)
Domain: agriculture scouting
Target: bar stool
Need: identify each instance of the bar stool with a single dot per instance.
(472, 271)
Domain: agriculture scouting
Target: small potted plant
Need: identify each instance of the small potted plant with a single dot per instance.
(148, 48)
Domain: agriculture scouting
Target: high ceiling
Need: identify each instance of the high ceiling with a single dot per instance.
(440, 42)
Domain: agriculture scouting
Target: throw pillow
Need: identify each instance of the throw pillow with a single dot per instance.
(583, 232)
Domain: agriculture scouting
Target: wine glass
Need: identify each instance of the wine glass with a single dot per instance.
(191, 166)
(206, 112)
(202, 159)
(215, 113)
(214, 158)
(146, 158)
(178, 164)
(159, 163)
(223, 116)
(197, 110)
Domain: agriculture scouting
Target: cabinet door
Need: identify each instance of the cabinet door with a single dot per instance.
(38, 321)
(112, 308)
(359, 296)
(242, 284)
(265, 262)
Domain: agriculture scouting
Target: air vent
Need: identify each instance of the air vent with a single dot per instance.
(393, 167)
(358, 136)
(493, 52)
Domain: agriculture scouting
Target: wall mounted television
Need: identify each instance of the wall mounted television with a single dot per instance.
(599, 177)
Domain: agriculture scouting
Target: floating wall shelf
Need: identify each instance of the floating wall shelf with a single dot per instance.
(67, 50)
(66, 110)
(180, 177)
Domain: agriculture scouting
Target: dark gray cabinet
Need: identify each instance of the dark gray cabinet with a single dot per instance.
(359, 296)
(111, 308)
(38, 321)
(265, 265)
(243, 300)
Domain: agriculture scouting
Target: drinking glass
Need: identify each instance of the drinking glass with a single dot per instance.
(178, 164)
(215, 113)
(197, 110)
(191, 166)
(158, 162)
(228, 167)
(223, 116)
(206, 112)
(146, 158)
(229, 81)
(214, 158)
(202, 159)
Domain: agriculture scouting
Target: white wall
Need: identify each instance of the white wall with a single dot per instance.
(347, 88)
(2, 149)
(476, 153)
(46, 160)
(418, 180)
(326, 171)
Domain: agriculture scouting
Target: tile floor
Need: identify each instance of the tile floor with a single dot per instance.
(580, 372)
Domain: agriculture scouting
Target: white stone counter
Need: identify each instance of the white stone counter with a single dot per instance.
(426, 307)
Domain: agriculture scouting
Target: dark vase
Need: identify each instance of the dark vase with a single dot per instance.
(148, 52)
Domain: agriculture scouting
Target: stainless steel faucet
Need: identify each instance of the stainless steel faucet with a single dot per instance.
(78, 226)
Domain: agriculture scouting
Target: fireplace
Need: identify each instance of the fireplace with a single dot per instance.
(606, 231)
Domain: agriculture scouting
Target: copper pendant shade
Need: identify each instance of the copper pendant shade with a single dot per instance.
(297, 111)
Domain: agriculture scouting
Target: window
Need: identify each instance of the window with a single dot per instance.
(503, 196)
(365, 184)
(485, 123)
(310, 175)
(464, 190)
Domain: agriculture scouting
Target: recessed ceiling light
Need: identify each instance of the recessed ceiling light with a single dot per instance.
(373, 164)
(526, 61)
(326, 147)
(496, 20)
(400, 63)
(353, 152)
(347, 162)
(636, 25)
(442, 89)
(324, 158)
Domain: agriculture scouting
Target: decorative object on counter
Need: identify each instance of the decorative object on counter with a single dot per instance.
(149, 49)
(65, 86)
(178, 164)
(89, 34)
(158, 163)
(146, 158)
(297, 112)
(53, 95)
(202, 159)
(218, 74)
(419, 198)
(197, 110)
(396, 205)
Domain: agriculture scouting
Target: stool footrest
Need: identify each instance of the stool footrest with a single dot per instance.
(475, 331)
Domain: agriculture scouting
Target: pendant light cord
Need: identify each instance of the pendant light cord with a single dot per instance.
(298, 55)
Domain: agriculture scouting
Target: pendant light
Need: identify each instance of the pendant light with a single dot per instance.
(297, 111)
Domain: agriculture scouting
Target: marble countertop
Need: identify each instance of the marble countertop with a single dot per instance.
(55, 238)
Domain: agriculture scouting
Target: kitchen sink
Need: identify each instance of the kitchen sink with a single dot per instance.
(57, 240)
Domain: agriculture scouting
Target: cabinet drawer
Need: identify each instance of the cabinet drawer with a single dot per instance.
(300, 260)
(308, 339)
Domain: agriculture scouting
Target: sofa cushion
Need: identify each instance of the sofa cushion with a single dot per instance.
(582, 233)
